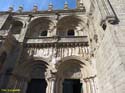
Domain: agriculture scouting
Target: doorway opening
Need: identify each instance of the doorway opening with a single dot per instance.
(37, 86)
(72, 86)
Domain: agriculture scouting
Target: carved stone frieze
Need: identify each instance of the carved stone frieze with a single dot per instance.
(55, 54)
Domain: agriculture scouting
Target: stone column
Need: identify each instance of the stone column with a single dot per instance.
(88, 88)
(25, 85)
(96, 88)
(92, 86)
(61, 86)
(18, 83)
(12, 82)
(51, 85)
(22, 85)
(57, 85)
(84, 86)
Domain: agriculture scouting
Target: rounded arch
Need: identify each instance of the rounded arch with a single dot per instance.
(20, 20)
(83, 64)
(72, 68)
(70, 22)
(27, 69)
(42, 59)
(16, 27)
(73, 57)
(40, 24)
(33, 71)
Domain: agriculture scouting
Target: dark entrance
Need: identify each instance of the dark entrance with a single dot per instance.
(37, 86)
(72, 86)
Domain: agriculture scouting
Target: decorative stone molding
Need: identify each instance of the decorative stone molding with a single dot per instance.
(107, 11)
(11, 9)
(66, 6)
(20, 10)
(50, 7)
(35, 8)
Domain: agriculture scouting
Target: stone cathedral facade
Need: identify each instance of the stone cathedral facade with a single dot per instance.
(78, 50)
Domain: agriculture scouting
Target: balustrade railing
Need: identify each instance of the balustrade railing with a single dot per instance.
(58, 39)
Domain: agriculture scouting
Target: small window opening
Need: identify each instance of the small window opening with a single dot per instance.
(43, 33)
(71, 32)
(104, 26)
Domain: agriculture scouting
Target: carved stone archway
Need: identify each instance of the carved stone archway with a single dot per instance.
(24, 73)
(39, 25)
(74, 67)
(73, 22)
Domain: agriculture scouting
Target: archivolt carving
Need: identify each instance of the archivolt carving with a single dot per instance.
(16, 27)
(83, 65)
(72, 67)
(40, 24)
(29, 69)
(73, 71)
(70, 22)
(20, 20)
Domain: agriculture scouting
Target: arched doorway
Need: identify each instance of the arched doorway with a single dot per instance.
(74, 75)
(30, 77)
(37, 82)
(69, 77)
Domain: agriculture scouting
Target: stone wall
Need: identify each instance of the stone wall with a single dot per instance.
(110, 67)
(119, 7)
(110, 55)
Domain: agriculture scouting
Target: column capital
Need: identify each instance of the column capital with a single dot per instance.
(51, 78)
(88, 79)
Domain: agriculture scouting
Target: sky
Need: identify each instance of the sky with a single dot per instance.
(28, 4)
